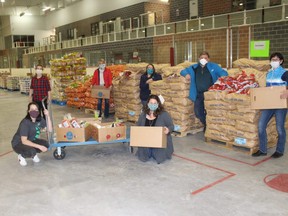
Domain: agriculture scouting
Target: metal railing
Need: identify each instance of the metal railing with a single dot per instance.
(251, 17)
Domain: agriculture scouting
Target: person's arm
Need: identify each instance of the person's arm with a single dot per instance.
(140, 119)
(24, 131)
(220, 71)
(284, 94)
(31, 91)
(187, 72)
(109, 77)
(31, 95)
(157, 77)
(168, 123)
(93, 81)
(48, 120)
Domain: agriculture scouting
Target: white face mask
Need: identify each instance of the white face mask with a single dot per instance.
(203, 61)
(39, 71)
(275, 64)
(102, 66)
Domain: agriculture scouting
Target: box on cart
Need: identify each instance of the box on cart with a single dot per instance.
(73, 134)
(103, 132)
(151, 137)
(100, 92)
(268, 98)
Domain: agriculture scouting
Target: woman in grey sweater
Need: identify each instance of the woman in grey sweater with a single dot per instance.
(154, 115)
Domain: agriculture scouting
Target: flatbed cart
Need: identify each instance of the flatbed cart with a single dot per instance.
(59, 153)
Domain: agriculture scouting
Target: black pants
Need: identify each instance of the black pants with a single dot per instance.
(28, 151)
(199, 108)
(41, 108)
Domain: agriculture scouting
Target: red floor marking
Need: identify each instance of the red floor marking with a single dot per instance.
(278, 182)
(6, 153)
(212, 184)
(229, 158)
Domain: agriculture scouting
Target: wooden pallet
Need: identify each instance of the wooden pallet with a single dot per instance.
(185, 133)
(230, 145)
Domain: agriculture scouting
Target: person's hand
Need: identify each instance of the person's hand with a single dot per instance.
(166, 130)
(42, 148)
(149, 81)
(284, 94)
(46, 112)
(187, 77)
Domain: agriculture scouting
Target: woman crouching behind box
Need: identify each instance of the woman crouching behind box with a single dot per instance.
(154, 115)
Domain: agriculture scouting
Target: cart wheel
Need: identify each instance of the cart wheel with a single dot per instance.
(59, 157)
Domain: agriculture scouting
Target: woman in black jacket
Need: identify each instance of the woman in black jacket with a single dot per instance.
(148, 77)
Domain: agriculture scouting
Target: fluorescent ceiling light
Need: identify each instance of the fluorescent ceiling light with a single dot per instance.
(52, 9)
(28, 14)
(2, 1)
(46, 8)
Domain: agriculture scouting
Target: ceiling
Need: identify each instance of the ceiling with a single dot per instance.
(32, 7)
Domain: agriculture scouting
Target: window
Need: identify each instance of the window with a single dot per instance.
(70, 34)
(95, 29)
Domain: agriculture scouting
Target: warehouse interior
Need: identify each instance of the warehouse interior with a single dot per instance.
(211, 171)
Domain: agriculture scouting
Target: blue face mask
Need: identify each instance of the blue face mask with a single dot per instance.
(149, 71)
(152, 107)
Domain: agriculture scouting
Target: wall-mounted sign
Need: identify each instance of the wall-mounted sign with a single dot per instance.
(259, 48)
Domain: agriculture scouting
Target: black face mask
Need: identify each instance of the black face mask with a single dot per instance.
(34, 113)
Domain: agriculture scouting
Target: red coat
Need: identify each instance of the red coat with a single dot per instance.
(107, 77)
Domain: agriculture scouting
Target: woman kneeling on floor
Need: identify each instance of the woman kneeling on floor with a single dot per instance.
(26, 142)
(154, 115)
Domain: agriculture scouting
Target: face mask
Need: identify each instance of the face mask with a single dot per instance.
(203, 61)
(152, 107)
(39, 71)
(149, 71)
(34, 113)
(102, 66)
(275, 64)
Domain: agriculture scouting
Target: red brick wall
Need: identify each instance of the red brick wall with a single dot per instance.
(214, 7)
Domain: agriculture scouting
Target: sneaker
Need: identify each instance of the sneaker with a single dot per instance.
(22, 160)
(259, 153)
(276, 155)
(36, 159)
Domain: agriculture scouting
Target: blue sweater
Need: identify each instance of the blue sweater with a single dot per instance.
(215, 70)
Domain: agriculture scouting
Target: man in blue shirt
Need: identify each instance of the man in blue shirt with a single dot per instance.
(202, 76)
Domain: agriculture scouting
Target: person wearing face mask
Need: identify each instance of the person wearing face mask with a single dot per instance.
(148, 77)
(154, 115)
(26, 142)
(102, 76)
(40, 89)
(276, 76)
(202, 76)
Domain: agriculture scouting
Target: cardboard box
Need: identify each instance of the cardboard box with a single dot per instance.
(106, 134)
(268, 98)
(100, 92)
(72, 134)
(151, 137)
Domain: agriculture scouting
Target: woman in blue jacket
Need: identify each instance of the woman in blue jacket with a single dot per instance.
(148, 77)
(276, 76)
(202, 76)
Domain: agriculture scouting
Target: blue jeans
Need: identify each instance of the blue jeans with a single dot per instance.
(199, 108)
(266, 115)
(106, 109)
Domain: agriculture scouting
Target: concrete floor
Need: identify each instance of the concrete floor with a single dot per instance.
(107, 180)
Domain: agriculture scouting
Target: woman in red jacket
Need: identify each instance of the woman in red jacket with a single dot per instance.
(103, 77)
